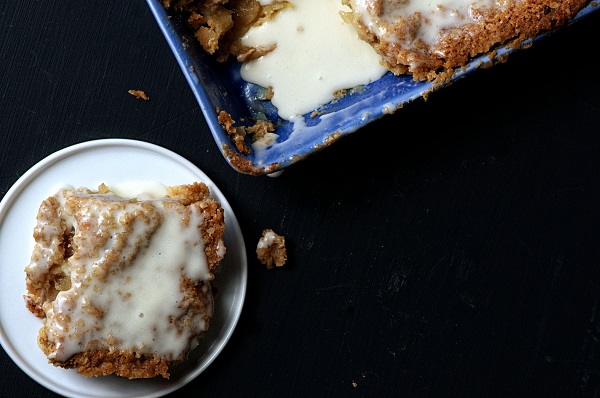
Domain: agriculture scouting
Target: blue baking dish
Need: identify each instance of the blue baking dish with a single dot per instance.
(219, 86)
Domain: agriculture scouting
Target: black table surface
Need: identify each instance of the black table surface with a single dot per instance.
(449, 249)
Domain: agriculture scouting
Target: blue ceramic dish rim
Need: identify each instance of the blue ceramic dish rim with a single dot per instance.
(213, 83)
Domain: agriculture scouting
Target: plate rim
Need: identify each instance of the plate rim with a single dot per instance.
(38, 168)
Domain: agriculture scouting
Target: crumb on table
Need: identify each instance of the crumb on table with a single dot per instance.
(271, 249)
(139, 94)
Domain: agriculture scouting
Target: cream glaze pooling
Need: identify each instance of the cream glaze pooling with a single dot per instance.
(128, 260)
(317, 54)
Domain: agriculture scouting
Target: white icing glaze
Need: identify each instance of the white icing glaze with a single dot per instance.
(437, 16)
(265, 141)
(317, 54)
(139, 189)
(267, 240)
(133, 302)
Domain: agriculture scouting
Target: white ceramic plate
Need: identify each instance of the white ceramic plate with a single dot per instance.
(111, 161)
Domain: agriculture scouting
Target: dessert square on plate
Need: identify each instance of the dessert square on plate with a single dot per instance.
(115, 161)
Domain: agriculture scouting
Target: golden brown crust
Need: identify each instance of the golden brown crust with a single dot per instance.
(104, 362)
(45, 287)
(218, 25)
(246, 166)
(512, 25)
(237, 134)
(191, 193)
(213, 228)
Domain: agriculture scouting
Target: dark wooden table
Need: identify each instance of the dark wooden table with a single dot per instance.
(450, 249)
